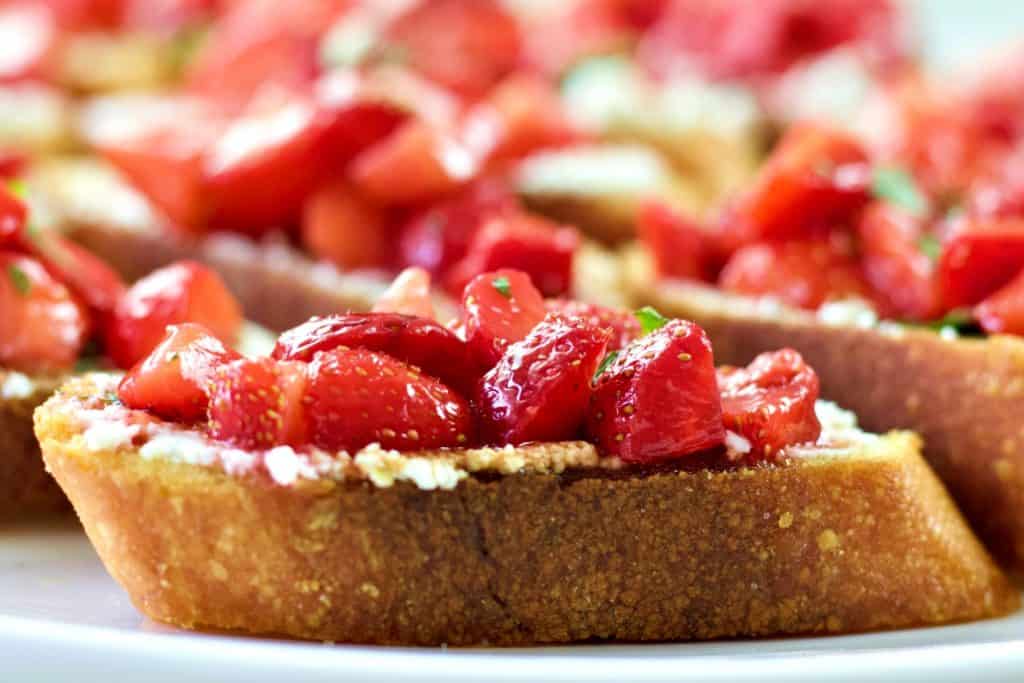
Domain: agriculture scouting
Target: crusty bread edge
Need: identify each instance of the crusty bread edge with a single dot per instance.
(820, 545)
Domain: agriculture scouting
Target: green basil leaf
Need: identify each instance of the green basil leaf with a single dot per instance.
(650, 319)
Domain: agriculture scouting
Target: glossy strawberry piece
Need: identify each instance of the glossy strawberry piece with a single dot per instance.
(679, 245)
(978, 258)
(802, 274)
(358, 397)
(1002, 312)
(500, 308)
(408, 294)
(466, 45)
(258, 403)
(815, 179)
(770, 403)
(43, 327)
(437, 237)
(92, 280)
(622, 324)
(895, 264)
(536, 246)
(342, 228)
(430, 161)
(13, 217)
(183, 292)
(540, 389)
(172, 381)
(418, 341)
(658, 399)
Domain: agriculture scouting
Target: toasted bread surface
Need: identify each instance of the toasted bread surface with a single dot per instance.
(25, 487)
(834, 541)
(962, 396)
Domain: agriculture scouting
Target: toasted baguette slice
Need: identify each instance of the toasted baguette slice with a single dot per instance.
(539, 544)
(962, 395)
(25, 487)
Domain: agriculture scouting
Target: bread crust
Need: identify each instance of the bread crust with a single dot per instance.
(961, 395)
(26, 489)
(869, 540)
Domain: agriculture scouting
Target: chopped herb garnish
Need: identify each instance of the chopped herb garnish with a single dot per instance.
(17, 187)
(930, 246)
(958, 318)
(503, 286)
(608, 360)
(19, 279)
(895, 185)
(88, 364)
(650, 319)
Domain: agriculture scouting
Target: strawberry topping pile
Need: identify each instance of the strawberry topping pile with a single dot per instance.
(58, 302)
(514, 369)
(824, 222)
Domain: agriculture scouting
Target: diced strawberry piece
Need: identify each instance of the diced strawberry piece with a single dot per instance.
(901, 273)
(358, 397)
(978, 258)
(1003, 311)
(259, 403)
(341, 227)
(467, 45)
(540, 389)
(770, 403)
(815, 179)
(999, 194)
(42, 326)
(183, 292)
(622, 324)
(418, 162)
(92, 280)
(802, 274)
(12, 164)
(521, 115)
(500, 308)
(255, 44)
(356, 114)
(680, 246)
(172, 381)
(734, 39)
(418, 341)
(438, 236)
(536, 246)
(658, 399)
(160, 149)
(13, 218)
(408, 294)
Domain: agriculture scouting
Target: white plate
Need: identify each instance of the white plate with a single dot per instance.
(63, 618)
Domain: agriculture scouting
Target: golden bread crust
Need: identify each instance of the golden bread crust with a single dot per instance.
(864, 541)
(26, 488)
(962, 396)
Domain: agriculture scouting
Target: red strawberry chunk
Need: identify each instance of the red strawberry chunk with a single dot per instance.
(622, 324)
(978, 258)
(900, 272)
(437, 237)
(42, 325)
(770, 403)
(408, 294)
(804, 274)
(95, 283)
(658, 399)
(540, 248)
(501, 308)
(418, 341)
(815, 179)
(540, 389)
(258, 403)
(173, 380)
(342, 228)
(357, 397)
(680, 246)
(183, 292)
(13, 216)
(1003, 311)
